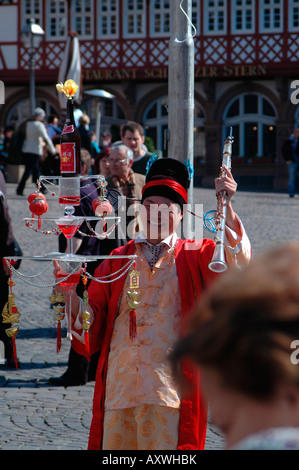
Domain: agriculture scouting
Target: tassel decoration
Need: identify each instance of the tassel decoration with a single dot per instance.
(133, 326)
(15, 358)
(58, 343)
(133, 296)
(12, 333)
(86, 318)
(11, 314)
(57, 301)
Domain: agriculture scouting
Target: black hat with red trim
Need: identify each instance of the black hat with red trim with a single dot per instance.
(169, 178)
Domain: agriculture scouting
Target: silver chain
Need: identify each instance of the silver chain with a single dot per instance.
(24, 277)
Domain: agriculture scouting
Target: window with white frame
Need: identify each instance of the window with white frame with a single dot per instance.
(82, 15)
(252, 117)
(196, 15)
(271, 15)
(32, 9)
(215, 16)
(243, 19)
(293, 15)
(56, 19)
(134, 18)
(108, 19)
(160, 18)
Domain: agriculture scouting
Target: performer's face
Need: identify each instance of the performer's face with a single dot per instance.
(162, 218)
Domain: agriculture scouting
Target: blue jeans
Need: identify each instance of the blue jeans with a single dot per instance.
(292, 168)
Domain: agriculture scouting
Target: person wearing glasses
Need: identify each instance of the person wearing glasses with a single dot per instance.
(127, 182)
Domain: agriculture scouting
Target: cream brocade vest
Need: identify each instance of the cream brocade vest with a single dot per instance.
(138, 372)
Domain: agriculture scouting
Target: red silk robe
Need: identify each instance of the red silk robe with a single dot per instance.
(193, 276)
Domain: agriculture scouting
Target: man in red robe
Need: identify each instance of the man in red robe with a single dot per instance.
(136, 404)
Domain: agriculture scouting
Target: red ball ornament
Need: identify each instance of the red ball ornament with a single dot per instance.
(34, 195)
(38, 207)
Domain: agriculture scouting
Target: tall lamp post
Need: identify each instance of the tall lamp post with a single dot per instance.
(31, 36)
(99, 95)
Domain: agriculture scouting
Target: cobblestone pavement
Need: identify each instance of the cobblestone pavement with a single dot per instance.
(35, 415)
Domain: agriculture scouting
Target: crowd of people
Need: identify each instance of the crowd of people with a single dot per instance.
(198, 340)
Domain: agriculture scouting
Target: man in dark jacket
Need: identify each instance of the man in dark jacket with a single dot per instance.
(290, 152)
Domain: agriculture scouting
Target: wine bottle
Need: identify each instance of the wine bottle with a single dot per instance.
(70, 145)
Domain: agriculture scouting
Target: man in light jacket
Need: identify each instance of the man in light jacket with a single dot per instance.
(35, 134)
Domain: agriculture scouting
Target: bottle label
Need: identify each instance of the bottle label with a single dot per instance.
(68, 157)
(68, 129)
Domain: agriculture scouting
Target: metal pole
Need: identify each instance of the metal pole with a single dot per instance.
(32, 77)
(181, 90)
(98, 122)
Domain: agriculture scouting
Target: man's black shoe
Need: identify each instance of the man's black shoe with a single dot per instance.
(65, 382)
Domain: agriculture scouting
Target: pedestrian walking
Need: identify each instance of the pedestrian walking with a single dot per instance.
(35, 136)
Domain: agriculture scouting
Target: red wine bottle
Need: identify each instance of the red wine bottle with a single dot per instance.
(70, 145)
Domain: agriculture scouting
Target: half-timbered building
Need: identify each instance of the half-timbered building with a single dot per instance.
(246, 62)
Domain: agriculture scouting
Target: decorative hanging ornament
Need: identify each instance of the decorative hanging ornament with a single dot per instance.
(133, 294)
(34, 195)
(57, 301)
(102, 208)
(11, 314)
(86, 317)
(38, 205)
(101, 205)
(150, 161)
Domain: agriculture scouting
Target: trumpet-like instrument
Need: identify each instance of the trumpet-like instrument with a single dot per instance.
(218, 264)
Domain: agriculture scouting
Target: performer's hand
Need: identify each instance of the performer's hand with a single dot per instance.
(6, 270)
(59, 274)
(67, 291)
(226, 184)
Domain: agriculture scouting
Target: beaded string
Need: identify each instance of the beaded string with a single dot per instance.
(100, 236)
(57, 231)
(31, 275)
(23, 277)
(98, 183)
(54, 231)
(125, 269)
(97, 279)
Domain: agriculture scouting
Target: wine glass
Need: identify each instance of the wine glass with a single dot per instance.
(68, 225)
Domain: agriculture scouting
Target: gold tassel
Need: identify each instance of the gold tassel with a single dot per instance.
(11, 314)
(86, 318)
(133, 295)
(57, 300)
